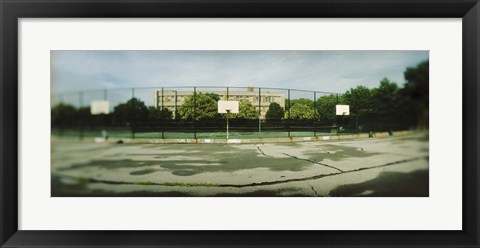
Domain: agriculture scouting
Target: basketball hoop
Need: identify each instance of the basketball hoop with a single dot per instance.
(227, 107)
(343, 110)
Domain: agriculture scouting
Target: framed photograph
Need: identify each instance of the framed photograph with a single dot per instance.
(233, 123)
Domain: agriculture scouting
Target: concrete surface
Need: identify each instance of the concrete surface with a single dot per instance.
(389, 166)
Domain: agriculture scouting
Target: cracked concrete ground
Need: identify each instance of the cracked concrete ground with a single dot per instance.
(394, 166)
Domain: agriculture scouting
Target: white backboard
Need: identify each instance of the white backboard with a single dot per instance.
(343, 109)
(99, 107)
(228, 107)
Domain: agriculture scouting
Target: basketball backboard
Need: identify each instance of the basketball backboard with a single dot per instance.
(343, 109)
(99, 107)
(228, 107)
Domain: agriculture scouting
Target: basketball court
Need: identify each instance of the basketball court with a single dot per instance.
(393, 166)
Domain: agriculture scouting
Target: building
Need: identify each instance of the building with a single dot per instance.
(173, 99)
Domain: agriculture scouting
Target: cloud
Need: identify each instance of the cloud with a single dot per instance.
(333, 71)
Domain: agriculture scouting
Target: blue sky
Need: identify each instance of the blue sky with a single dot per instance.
(332, 71)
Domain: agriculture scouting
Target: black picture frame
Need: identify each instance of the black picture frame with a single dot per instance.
(11, 11)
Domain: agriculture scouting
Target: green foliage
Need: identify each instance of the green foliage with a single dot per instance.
(384, 100)
(302, 111)
(246, 111)
(131, 111)
(417, 81)
(64, 115)
(159, 114)
(326, 107)
(417, 91)
(206, 107)
(360, 100)
(274, 112)
(214, 96)
(303, 101)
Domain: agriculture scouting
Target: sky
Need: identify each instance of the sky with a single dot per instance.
(330, 71)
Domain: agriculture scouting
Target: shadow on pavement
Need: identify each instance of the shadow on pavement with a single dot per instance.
(388, 184)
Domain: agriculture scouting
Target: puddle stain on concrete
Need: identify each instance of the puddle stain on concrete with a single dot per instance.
(233, 162)
(143, 172)
(338, 153)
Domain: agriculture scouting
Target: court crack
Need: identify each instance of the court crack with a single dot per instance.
(295, 157)
(264, 154)
(93, 180)
(313, 161)
(322, 175)
(313, 189)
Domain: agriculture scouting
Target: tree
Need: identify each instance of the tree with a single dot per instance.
(274, 112)
(64, 115)
(246, 111)
(131, 111)
(385, 102)
(304, 101)
(159, 114)
(417, 89)
(360, 101)
(205, 109)
(302, 111)
(326, 107)
(361, 104)
(85, 118)
(214, 96)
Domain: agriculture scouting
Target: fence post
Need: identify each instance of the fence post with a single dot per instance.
(288, 114)
(132, 132)
(175, 108)
(80, 99)
(105, 98)
(336, 118)
(163, 115)
(356, 123)
(194, 112)
(259, 111)
(315, 111)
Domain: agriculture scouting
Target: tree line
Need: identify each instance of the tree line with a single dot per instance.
(406, 106)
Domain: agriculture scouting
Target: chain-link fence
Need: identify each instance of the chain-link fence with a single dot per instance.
(191, 112)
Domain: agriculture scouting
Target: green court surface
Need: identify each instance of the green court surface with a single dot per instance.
(190, 135)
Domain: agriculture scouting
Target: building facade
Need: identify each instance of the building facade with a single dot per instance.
(173, 99)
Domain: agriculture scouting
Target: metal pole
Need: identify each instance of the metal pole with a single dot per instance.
(228, 93)
(81, 121)
(133, 96)
(105, 116)
(194, 112)
(259, 111)
(163, 117)
(175, 108)
(288, 117)
(162, 103)
(336, 118)
(356, 123)
(315, 109)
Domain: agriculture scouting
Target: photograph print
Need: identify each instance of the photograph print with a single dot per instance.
(239, 123)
